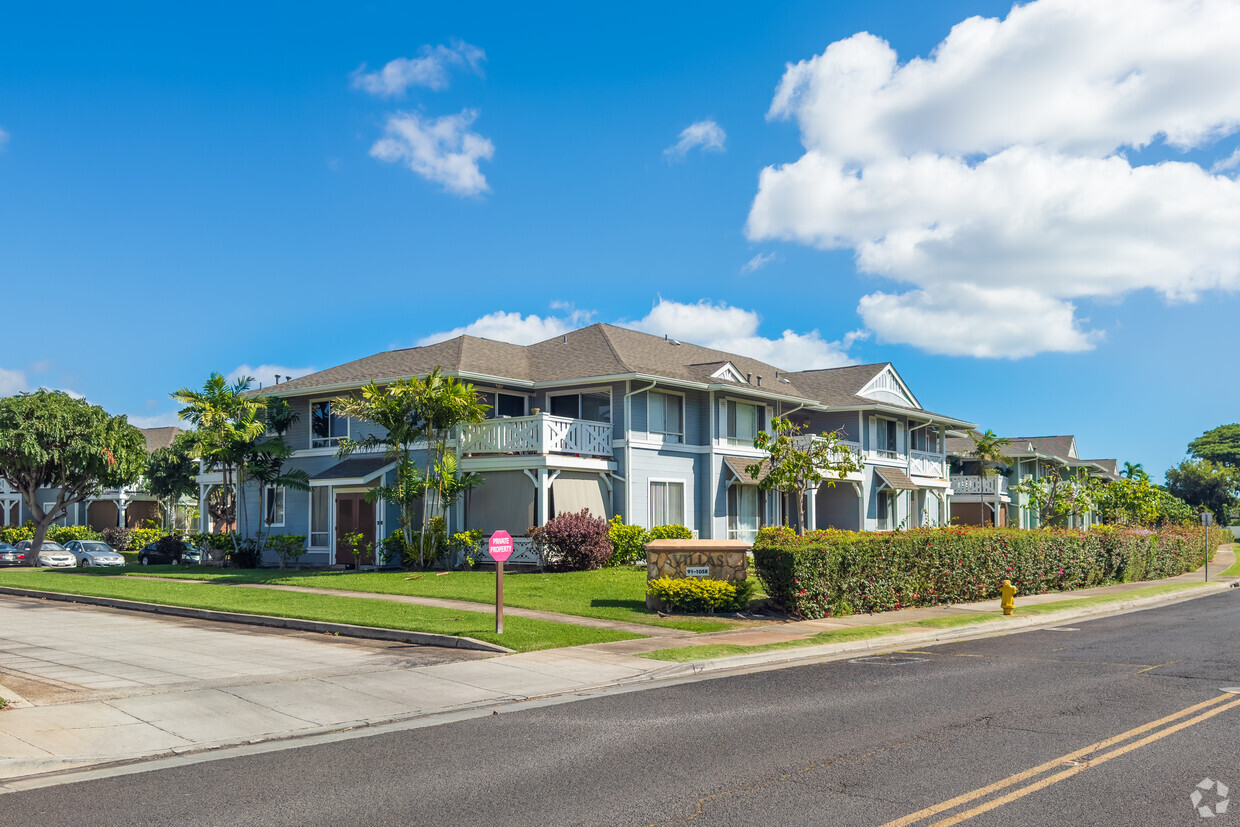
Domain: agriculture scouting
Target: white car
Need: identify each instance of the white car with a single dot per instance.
(94, 553)
(52, 555)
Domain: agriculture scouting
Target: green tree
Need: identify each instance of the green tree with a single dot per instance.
(264, 465)
(226, 426)
(171, 474)
(1204, 484)
(1219, 445)
(1133, 472)
(1130, 500)
(49, 440)
(798, 463)
(1056, 496)
(988, 451)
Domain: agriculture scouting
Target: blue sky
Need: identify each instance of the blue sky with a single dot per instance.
(182, 192)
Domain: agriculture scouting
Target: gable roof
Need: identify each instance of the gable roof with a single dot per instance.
(157, 438)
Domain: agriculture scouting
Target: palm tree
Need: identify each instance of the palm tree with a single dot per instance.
(265, 463)
(1131, 472)
(988, 450)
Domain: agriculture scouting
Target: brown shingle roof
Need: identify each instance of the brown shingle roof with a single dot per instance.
(837, 386)
(157, 438)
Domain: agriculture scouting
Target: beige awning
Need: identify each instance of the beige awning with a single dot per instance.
(895, 479)
(737, 466)
(504, 501)
(571, 495)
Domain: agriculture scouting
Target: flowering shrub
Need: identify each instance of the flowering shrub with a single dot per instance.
(118, 537)
(573, 542)
(698, 594)
(838, 572)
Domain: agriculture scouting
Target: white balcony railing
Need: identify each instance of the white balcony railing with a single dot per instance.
(980, 485)
(538, 434)
(836, 455)
(523, 551)
(925, 464)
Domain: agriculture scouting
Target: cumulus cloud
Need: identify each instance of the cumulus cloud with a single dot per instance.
(991, 177)
(1229, 163)
(705, 134)
(758, 262)
(430, 69)
(12, 382)
(266, 374)
(442, 150)
(706, 323)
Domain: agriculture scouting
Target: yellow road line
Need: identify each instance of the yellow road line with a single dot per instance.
(951, 804)
(1060, 776)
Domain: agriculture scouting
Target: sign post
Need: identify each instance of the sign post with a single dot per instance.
(500, 549)
(1207, 517)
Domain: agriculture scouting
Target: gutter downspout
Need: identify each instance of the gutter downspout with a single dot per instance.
(628, 451)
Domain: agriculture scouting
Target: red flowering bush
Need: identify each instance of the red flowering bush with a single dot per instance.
(573, 542)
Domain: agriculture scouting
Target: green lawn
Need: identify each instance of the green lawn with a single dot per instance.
(609, 594)
(521, 634)
(1234, 571)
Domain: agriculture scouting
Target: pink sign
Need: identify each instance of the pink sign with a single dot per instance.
(500, 546)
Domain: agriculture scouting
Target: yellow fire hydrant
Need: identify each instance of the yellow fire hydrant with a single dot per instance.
(1009, 597)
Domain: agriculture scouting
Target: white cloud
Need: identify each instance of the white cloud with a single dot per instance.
(990, 177)
(1230, 162)
(758, 262)
(12, 382)
(718, 326)
(705, 134)
(442, 150)
(266, 374)
(429, 70)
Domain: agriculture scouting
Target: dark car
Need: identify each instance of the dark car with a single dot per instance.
(10, 556)
(162, 553)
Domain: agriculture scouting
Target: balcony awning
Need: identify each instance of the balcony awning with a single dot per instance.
(737, 466)
(571, 495)
(895, 479)
(353, 471)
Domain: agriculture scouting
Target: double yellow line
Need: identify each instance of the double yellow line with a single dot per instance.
(1068, 765)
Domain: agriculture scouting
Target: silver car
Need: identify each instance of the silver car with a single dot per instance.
(52, 555)
(94, 553)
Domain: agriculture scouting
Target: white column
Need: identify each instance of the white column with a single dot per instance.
(811, 509)
(204, 524)
(543, 504)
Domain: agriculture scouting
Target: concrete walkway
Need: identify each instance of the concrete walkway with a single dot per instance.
(83, 726)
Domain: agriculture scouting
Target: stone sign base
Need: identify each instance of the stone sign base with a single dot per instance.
(709, 559)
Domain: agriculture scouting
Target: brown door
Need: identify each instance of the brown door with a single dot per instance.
(353, 513)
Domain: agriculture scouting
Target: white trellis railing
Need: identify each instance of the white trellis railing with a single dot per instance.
(979, 485)
(538, 434)
(925, 464)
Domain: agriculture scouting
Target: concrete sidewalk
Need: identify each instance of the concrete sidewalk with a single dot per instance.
(169, 720)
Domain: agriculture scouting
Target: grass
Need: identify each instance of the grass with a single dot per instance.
(710, 651)
(521, 634)
(1234, 571)
(607, 594)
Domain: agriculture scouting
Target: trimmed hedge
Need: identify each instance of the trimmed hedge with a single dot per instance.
(56, 534)
(841, 572)
(696, 594)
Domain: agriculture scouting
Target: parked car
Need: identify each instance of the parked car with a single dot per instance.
(152, 555)
(94, 553)
(10, 556)
(52, 555)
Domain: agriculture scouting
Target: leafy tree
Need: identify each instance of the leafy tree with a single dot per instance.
(171, 473)
(1056, 496)
(988, 451)
(1132, 472)
(1204, 484)
(798, 463)
(1132, 500)
(226, 426)
(48, 439)
(1220, 445)
(264, 463)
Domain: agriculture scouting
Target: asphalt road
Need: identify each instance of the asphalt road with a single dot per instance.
(859, 742)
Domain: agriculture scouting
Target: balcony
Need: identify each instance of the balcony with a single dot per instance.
(925, 464)
(980, 485)
(836, 455)
(538, 434)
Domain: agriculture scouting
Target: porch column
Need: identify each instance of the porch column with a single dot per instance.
(860, 489)
(811, 509)
(544, 507)
(203, 491)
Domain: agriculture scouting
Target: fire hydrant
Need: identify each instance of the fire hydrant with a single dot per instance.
(1009, 597)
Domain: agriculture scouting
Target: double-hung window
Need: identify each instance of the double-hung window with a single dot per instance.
(667, 503)
(326, 429)
(743, 512)
(320, 516)
(273, 505)
(665, 415)
(888, 434)
(743, 422)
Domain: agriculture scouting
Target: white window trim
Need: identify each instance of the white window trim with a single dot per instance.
(283, 503)
(507, 392)
(740, 490)
(661, 436)
(331, 520)
(348, 426)
(577, 392)
(737, 441)
(684, 500)
(880, 437)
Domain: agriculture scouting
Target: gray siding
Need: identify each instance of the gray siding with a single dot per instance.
(662, 465)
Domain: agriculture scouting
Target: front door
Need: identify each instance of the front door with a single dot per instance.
(353, 513)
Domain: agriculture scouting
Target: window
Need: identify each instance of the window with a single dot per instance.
(665, 416)
(743, 512)
(742, 423)
(320, 516)
(326, 429)
(884, 510)
(503, 405)
(667, 503)
(594, 405)
(273, 503)
(925, 438)
(62, 520)
(888, 429)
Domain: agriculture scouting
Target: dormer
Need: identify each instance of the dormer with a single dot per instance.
(888, 387)
(727, 372)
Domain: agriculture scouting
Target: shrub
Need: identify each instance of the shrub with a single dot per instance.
(172, 546)
(16, 533)
(287, 547)
(118, 537)
(434, 547)
(67, 533)
(140, 537)
(670, 532)
(838, 572)
(627, 543)
(698, 594)
(573, 542)
(362, 551)
(246, 555)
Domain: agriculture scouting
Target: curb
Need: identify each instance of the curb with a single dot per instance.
(295, 624)
(900, 641)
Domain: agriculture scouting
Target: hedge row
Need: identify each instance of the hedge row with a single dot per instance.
(842, 572)
(121, 539)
